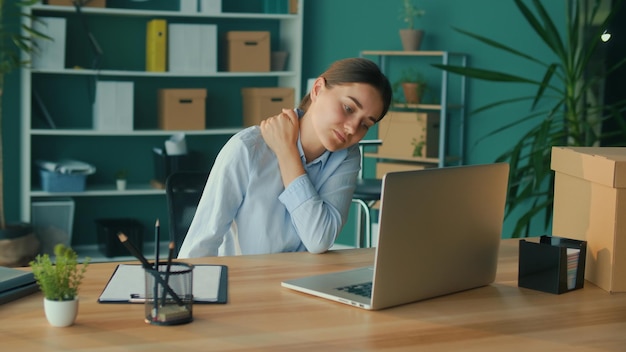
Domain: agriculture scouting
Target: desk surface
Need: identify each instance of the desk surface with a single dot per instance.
(261, 315)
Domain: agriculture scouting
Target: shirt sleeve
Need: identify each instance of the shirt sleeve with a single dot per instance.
(319, 216)
(221, 198)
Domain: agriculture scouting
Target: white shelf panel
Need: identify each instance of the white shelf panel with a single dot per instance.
(129, 73)
(152, 13)
(135, 133)
(104, 190)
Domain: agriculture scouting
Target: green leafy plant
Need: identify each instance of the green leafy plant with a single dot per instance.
(418, 146)
(409, 13)
(571, 113)
(59, 281)
(12, 43)
(121, 174)
(409, 75)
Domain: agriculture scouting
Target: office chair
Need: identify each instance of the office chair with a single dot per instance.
(366, 194)
(183, 190)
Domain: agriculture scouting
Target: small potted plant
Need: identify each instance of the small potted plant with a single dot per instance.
(413, 85)
(411, 37)
(59, 282)
(120, 179)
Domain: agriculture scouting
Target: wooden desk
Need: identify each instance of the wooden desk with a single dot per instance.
(261, 315)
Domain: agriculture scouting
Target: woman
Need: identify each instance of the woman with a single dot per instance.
(287, 184)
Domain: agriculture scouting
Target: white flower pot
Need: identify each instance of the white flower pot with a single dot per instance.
(121, 184)
(60, 313)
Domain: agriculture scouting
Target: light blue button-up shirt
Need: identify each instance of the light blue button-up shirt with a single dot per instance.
(245, 184)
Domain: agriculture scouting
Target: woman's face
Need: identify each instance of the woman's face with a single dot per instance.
(343, 114)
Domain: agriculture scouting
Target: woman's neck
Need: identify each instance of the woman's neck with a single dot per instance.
(311, 144)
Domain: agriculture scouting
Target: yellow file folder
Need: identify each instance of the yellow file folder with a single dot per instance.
(156, 41)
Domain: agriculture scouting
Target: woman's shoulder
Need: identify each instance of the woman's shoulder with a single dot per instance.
(249, 135)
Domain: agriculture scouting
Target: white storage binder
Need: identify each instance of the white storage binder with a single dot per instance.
(188, 6)
(50, 53)
(192, 48)
(210, 6)
(113, 107)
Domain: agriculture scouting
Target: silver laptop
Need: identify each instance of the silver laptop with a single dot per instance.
(439, 233)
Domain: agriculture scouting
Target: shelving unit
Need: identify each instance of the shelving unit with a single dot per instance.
(447, 107)
(66, 93)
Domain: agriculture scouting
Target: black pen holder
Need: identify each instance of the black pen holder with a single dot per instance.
(169, 294)
(554, 265)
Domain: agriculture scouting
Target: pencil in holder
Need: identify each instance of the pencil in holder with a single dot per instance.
(554, 265)
(169, 298)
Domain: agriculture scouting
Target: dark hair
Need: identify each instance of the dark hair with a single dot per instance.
(355, 70)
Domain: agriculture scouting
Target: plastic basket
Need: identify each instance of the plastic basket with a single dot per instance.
(58, 182)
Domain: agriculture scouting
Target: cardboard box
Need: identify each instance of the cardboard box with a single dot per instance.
(182, 109)
(589, 203)
(409, 135)
(261, 103)
(86, 3)
(248, 51)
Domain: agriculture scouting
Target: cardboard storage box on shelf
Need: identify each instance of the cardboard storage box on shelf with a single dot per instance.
(248, 51)
(85, 3)
(261, 103)
(182, 109)
(404, 132)
(589, 204)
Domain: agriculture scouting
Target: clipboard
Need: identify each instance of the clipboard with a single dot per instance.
(127, 284)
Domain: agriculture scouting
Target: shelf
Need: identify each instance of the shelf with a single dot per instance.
(423, 106)
(68, 91)
(407, 53)
(93, 252)
(103, 190)
(409, 159)
(134, 133)
(131, 73)
(164, 13)
(451, 104)
(382, 157)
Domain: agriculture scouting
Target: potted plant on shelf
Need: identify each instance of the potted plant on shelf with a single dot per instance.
(566, 109)
(18, 243)
(120, 179)
(413, 86)
(59, 282)
(411, 37)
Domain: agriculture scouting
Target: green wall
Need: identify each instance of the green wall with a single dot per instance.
(337, 29)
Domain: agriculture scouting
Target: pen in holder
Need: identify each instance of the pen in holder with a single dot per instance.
(169, 299)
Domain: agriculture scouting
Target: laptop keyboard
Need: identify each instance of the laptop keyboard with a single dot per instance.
(364, 289)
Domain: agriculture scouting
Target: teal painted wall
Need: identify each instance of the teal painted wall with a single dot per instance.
(338, 29)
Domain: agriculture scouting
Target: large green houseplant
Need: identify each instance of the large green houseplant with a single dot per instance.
(17, 240)
(573, 117)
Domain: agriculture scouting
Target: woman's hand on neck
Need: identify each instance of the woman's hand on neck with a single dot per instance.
(281, 132)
